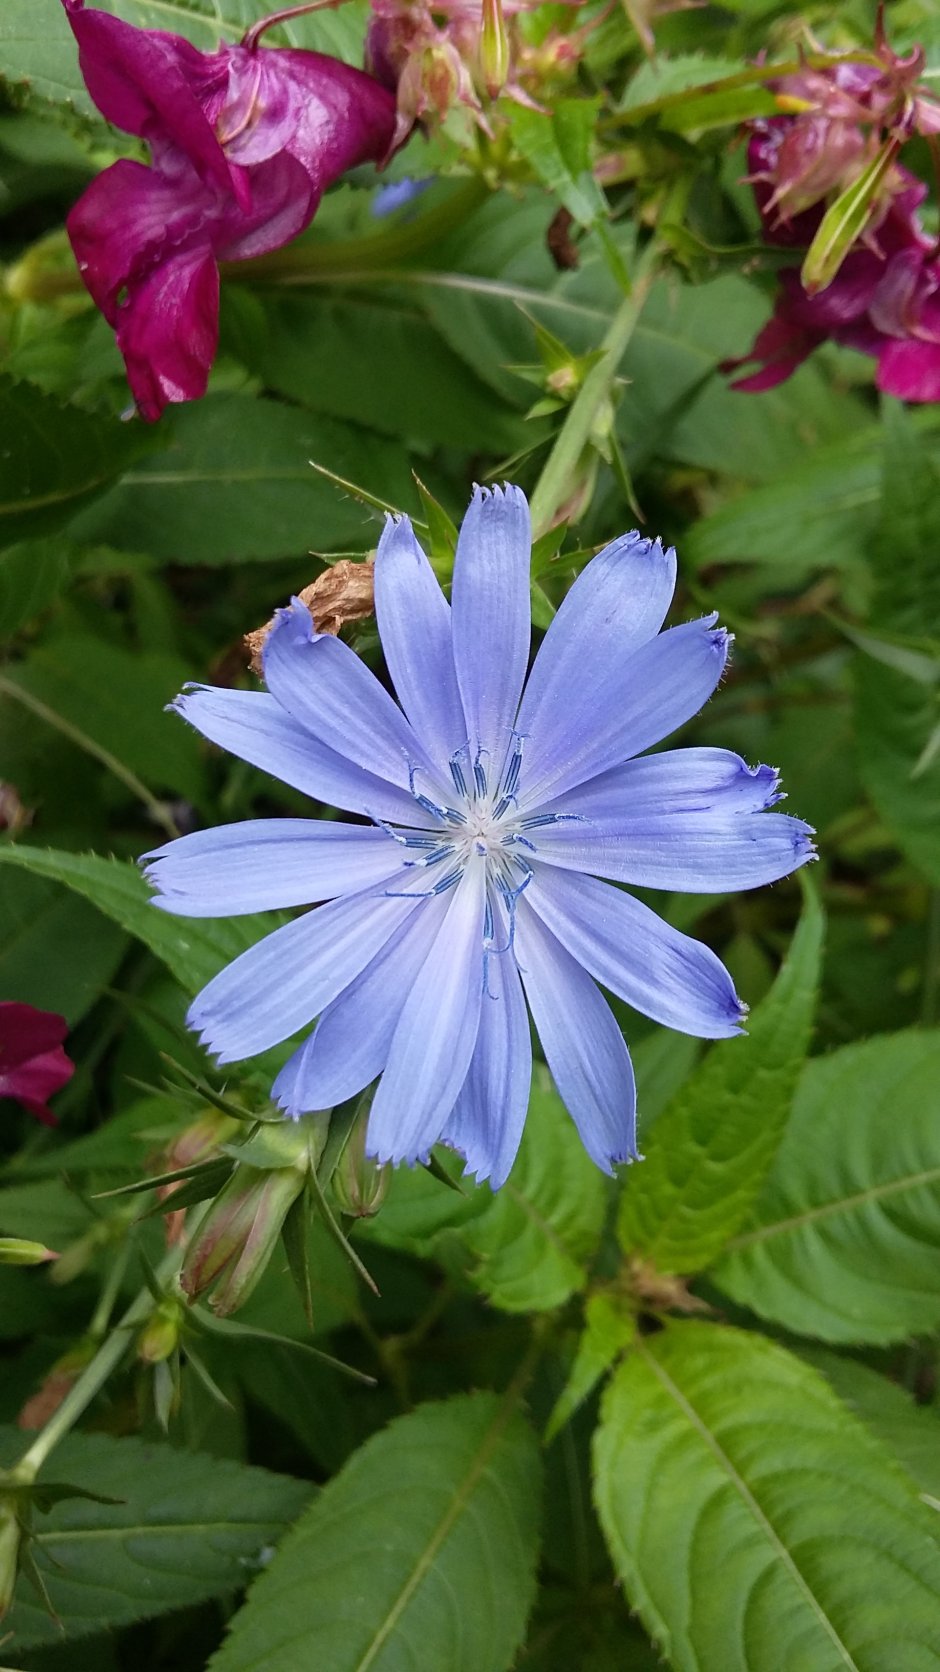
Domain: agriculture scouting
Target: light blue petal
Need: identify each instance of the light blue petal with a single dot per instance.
(618, 706)
(694, 853)
(255, 728)
(583, 1045)
(329, 691)
(491, 619)
(487, 1120)
(280, 984)
(697, 780)
(350, 1044)
(617, 604)
(624, 945)
(414, 624)
(433, 1043)
(265, 863)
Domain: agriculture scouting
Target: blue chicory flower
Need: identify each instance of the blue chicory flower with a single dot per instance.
(497, 803)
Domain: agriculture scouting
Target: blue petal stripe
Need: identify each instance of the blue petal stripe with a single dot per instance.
(618, 706)
(487, 1120)
(656, 969)
(617, 603)
(329, 691)
(491, 617)
(583, 1045)
(436, 1032)
(694, 853)
(350, 1043)
(255, 728)
(697, 780)
(280, 984)
(415, 628)
(268, 863)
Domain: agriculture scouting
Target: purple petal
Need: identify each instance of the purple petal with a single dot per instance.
(168, 330)
(268, 863)
(129, 220)
(436, 1033)
(660, 972)
(695, 853)
(583, 1045)
(255, 728)
(327, 689)
(350, 1044)
(346, 116)
(487, 1120)
(145, 82)
(278, 206)
(280, 984)
(491, 619)
(616, 605)
(699, 780)
(625, 704)
(415, 628)
(910, 370)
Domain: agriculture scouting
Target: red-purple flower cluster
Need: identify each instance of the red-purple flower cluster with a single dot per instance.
(244, 142)
(33, 1064)
(885, 298)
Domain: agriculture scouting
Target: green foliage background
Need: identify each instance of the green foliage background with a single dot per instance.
(684, 1417)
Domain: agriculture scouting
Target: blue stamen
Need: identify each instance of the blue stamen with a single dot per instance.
(456, 772)
(542, 819)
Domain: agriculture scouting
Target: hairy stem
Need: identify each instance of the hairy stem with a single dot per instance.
(555, 482)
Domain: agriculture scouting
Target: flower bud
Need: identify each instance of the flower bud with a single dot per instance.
(160, 1335)
(17, 1251)
(237, 1237)
(494, 48)
(360, 1184)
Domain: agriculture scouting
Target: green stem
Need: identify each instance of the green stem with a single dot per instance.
(313, 260)
(555, 481)
(93, 1377)
(932, 961)
(130, 780)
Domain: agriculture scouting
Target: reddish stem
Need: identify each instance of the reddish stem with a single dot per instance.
(253, 35)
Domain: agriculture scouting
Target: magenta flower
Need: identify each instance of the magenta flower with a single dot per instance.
(33, 1064)
(884, 300)
(244, 142)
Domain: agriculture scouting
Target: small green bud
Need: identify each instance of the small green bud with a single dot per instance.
(238, 1234)
(360, 1184)
(17, 1251)
(160, 1335)
(494, 48)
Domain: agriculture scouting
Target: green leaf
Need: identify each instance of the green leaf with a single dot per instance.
(32, 574)
(843, 1242)
(40, 927)
(711, 1150)
(76, 675)
(898, 734)
(530, 1246)
(186, 1527)
(557, 146)
(359, 1584)
(326, 351)
(40, 50)
(526, 1246)
(55, 458)
(908, 1430)
(609, 1329)
(193, 951)
(754, 1521)
(235, 484)
(904, 546)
